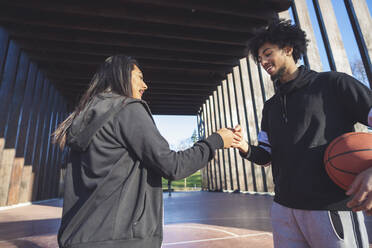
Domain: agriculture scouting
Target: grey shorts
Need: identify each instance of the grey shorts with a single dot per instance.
(294, 228)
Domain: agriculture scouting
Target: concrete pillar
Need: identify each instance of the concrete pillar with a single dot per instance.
(4, 42)
(51, 182)
(23, 131)
(236, 161)
(219, 160)
(257, 98)
(305, 24)
(327, 18)
(363, 26)
(201, 135)
(31, 140)
(46, 165)
(231, 165)
(224, 152)
(206, 168)
(62, 115)
(234, 121)
(240, 103)
(251, 125)
(39, 139)
(337, 54)
(6, 93)
(11, 134)
(215, 159)
(45, 142)
(269, 91)
(285, 15)
(212, 182)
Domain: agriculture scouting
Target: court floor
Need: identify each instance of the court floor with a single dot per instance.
(191, 219)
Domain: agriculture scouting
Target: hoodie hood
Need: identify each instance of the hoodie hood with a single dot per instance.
(101, 109)
(303, 78)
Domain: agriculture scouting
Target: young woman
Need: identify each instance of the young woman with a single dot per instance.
(113, 188)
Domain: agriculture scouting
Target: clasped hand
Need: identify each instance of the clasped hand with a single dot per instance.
(361, 189)
(233, 138)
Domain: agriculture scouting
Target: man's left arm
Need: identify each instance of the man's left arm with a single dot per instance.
(358, 99)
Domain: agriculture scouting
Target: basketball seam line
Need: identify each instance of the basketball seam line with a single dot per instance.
(335, 179)
(343, 153)
(340, 139)
(348, 172)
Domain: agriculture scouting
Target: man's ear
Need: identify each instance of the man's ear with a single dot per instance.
(288, 50)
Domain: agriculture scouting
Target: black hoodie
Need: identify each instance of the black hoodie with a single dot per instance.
(300, 120)
(113, 188)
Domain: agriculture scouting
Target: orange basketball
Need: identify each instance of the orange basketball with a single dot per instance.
(348, 155)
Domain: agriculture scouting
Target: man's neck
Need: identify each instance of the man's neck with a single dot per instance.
(289, 75)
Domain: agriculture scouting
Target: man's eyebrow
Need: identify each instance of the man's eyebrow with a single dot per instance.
(266, 49)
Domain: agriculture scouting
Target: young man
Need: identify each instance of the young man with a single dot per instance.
(307, 112)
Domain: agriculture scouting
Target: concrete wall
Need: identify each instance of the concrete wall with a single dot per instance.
(30, 110)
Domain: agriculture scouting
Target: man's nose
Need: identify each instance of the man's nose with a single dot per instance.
(263, 62)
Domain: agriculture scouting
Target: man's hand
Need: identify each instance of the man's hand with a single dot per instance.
(239, 141)
(361, 188)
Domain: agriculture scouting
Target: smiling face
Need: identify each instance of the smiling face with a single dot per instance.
(138, 85)
(276, 61)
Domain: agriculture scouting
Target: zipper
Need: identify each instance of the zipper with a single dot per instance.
(283, 101)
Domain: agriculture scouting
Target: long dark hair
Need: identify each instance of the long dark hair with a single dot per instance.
(113, 75)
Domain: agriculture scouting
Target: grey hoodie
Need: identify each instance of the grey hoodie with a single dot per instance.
(113, 189)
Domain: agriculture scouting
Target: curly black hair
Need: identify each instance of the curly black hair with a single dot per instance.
(281, 33)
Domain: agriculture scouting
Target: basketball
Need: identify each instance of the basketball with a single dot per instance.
(347, 156)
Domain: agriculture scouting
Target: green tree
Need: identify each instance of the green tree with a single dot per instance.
(358, 70)
(194, 137)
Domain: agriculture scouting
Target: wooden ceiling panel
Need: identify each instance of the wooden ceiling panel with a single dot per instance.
(185, 48)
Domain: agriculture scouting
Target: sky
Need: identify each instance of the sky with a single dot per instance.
(177, 128)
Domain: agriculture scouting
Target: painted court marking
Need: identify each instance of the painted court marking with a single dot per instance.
(232, 235)
(213, 239)
(207, 228)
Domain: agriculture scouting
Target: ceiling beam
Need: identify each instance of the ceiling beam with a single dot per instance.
(96, 60)
(156, 93)
(152, 84)
(121, 40)
(42, 46)
(156, 79)
(142, 13)
(71, 73)
(36, 18)
(256, 9)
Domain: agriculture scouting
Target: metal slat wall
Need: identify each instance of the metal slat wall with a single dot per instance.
(237, 165)
(30, 111)
(243, 104)
(239, 100)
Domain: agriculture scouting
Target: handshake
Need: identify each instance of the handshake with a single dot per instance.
(233, 138)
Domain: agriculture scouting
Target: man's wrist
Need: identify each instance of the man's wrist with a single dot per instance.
(244, 149)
